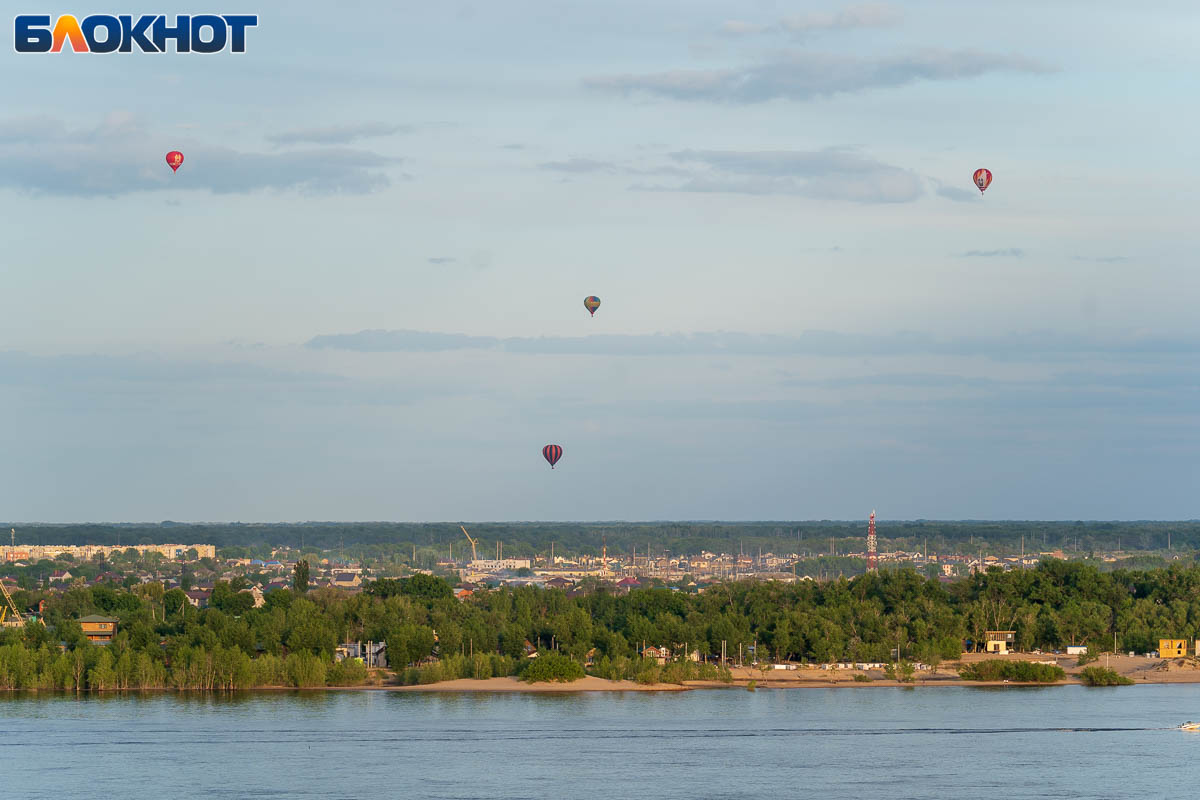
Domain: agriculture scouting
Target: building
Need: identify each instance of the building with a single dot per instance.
(98, 629)
(1172, 648)
(87, 552)
(1000, 642)
(659, 654)
(198, 597)
(346, 580)
(372, 654)
(499, 564)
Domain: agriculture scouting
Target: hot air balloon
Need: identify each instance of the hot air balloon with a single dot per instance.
(591, 303)
(552, 453)
(174, 159)
(983, 179)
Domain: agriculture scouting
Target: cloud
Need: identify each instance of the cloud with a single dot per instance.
(1045, 345)
(1008, 252)
(379, 341)
(441, 260)
(955, 193)
(579, 165)
(18, 368)
(828, 174)
(1102, 259)
(30, 129)
(807, 76)
(337, 134)
(735, 27)
(868, 15)
(121, 156)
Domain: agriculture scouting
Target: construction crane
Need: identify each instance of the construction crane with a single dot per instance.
(9, 605)
(473, 542)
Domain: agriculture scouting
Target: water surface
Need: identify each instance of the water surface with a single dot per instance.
(1061, 742)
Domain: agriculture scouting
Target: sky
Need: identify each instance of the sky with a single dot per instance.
(361, 296)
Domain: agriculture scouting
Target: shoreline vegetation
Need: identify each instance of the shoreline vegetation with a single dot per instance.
(540, 639)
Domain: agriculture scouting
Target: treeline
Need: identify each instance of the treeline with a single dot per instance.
(424, 543)
(290, 641)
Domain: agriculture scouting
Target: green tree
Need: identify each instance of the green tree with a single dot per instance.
(300, 577)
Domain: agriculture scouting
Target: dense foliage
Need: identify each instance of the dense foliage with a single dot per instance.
(1020, 671)
(165, 642)
(1099, 676)
(551, 666)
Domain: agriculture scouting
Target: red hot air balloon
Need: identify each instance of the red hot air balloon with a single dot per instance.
(983, 179)
(591, 303)
(552, 453)
(174, 159)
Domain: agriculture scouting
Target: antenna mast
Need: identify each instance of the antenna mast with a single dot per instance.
(872, 546)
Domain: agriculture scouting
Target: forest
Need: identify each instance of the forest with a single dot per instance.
(421, 544)
(163, 642)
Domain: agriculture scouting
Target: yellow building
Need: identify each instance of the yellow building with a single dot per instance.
(1001, 642)
(1172, 648)
(98, 629)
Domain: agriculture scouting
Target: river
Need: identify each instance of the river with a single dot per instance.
(862, 742)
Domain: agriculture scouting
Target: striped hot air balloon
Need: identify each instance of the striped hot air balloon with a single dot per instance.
(552, 453)
(983, 179)
(591, 303)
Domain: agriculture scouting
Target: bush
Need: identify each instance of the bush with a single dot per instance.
(649, 673)
(479, 666)
(679, 671)
(861, 678)
(1020, 671)
(1099, 676)
(304, 670)
(269, 670)
(348, 672)
(551, 666)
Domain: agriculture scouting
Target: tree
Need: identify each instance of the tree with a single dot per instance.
(408, 644)
(300, 577)
(426, 587)
(551, 666)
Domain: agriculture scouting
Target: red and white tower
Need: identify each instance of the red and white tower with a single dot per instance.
(872, 546)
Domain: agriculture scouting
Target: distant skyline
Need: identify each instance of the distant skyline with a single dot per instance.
(361, 296)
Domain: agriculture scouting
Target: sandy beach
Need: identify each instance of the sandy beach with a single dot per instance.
(587, 684)
(1140, 669)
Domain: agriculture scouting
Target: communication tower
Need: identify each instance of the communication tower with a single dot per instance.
(872, 546)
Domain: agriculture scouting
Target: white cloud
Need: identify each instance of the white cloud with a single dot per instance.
(337, 134)
(807, 76)
(122, 156)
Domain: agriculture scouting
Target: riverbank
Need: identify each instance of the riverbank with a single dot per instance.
(587, 684)
(1140, 669)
